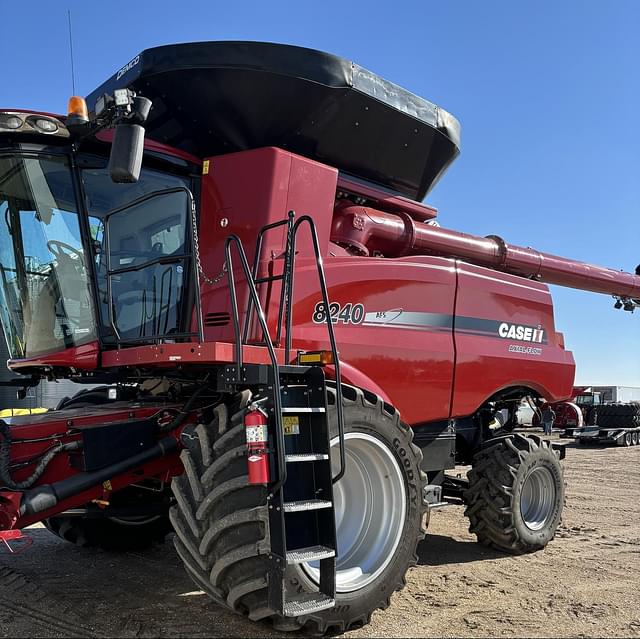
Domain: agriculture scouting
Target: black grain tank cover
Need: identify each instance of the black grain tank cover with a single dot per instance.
(211, 98)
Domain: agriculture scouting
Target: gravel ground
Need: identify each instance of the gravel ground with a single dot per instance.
(584, 584)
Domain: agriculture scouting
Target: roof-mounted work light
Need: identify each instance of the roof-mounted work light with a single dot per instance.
(626, 303)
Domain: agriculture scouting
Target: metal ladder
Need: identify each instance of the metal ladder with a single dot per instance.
(301, 507)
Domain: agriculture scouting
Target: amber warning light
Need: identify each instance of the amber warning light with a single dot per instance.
(77, 112)
(315, 358)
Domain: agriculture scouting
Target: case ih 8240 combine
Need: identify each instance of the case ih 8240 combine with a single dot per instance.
(296, 481)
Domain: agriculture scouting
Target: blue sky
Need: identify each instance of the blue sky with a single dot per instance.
(548, 95)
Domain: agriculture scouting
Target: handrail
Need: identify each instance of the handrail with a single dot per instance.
(332, 339)
(286, 305)
(234, 239)
(256, 264)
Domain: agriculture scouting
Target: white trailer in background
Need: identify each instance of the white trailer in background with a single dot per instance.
(618, 394)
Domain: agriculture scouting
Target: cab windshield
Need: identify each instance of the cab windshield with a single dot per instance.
(45, 299)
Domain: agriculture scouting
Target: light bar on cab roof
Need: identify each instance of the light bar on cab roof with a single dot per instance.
(21, 122)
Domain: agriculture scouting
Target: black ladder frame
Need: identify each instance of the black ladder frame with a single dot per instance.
(244, 374)
(286, 298)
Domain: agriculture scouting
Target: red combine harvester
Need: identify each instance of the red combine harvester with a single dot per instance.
(290, 411)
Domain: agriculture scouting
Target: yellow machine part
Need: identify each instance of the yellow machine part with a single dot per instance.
(15, 412)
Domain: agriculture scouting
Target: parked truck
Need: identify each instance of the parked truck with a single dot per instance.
(226, 240)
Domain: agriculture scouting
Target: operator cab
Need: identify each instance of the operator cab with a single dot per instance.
(85, 260)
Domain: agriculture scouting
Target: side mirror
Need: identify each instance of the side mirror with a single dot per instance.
(127, 147)
(125, 161)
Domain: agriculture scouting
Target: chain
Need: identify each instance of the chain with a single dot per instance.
(196, 247)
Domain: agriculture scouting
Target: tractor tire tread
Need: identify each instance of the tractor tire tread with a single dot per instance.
(488, 499)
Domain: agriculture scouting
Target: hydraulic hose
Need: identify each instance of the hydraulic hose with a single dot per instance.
(5, 452)
(185, 410)
(48, 496)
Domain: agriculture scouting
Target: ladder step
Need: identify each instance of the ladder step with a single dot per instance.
(441, 504)
(311, 553)
(302, 409)
(307, 603)
(305, 504)
(305, 457)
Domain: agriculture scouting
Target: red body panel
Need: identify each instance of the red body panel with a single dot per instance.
(429, 337)
(410, 360)
(176, 355)
(413, 364)
(243, 192)
(83, 357)
(486, 362)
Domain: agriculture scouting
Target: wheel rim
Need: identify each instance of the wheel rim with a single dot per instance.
(370, 507)
(538, 498)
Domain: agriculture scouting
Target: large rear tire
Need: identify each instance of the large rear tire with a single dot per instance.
(516, 494)
(221, 523)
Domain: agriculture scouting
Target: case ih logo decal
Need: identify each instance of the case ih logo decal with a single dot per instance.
(501, 330)
(521, 333)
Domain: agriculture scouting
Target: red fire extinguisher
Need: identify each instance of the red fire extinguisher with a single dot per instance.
(255, 422)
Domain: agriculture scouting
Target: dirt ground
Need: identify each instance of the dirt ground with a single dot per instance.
(585, 584)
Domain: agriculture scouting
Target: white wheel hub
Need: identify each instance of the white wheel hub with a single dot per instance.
(370, 507)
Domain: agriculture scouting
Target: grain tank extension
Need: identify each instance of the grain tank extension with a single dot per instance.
(283, 355)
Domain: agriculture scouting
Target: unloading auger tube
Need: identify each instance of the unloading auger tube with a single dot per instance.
(367, 230)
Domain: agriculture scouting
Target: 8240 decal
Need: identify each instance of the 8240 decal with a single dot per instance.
(347, 314)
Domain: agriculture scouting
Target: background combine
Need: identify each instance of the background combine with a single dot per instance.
(284, 355)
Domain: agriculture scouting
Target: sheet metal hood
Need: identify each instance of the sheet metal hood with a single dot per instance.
(211, 98)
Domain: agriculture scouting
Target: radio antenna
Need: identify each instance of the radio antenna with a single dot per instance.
(73, 74)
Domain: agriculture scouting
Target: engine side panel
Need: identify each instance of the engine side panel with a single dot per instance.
(396, 320)
(505, 336)
(392, 320)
